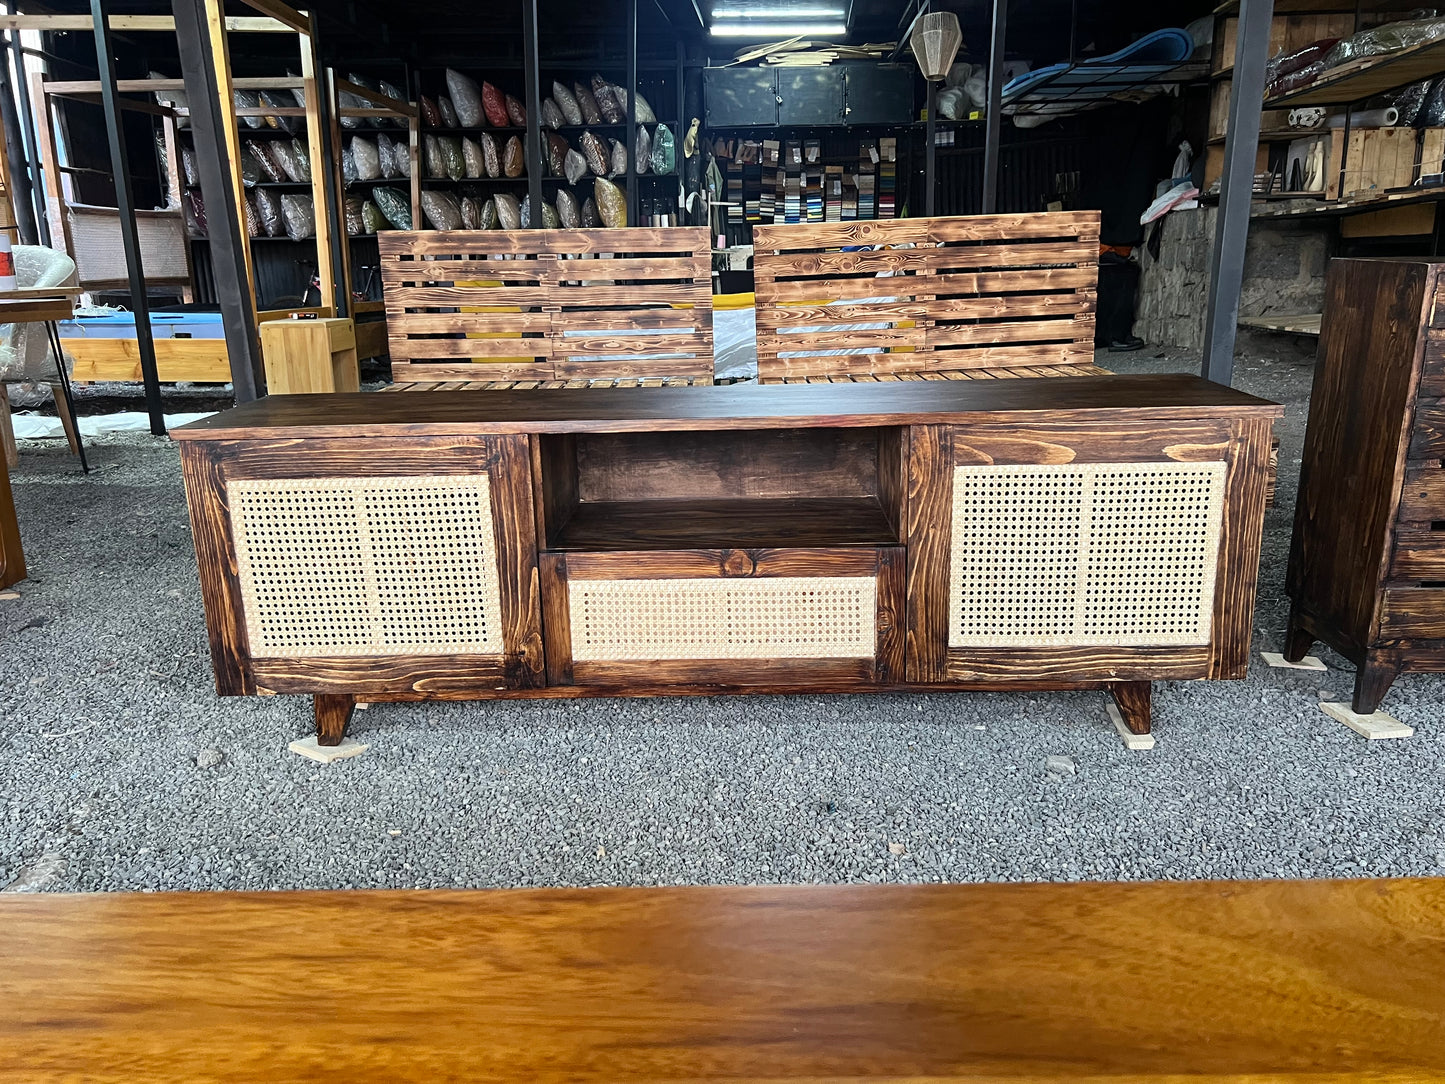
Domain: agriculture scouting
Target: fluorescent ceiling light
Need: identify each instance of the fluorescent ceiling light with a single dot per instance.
(779, 30)
(778, 13)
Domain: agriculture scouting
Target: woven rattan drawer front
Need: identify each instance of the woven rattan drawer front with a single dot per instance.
(1075, 555)
(737, 616)
(367, 566)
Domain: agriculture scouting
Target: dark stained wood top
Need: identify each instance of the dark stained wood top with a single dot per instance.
(1273, 980)
(736, 406)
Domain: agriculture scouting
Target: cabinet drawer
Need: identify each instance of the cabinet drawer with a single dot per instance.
(1413, 613)
(724, 617)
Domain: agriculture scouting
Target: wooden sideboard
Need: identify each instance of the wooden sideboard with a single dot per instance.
(1367, 562)
(1014, 534)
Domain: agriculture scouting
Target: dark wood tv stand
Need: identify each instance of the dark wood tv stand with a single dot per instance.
(840, 538)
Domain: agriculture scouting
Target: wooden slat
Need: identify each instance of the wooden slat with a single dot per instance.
(401, 346)
(398, 243)
(433, 371)
(1045, 295)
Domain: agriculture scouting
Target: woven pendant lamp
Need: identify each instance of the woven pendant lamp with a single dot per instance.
(935, 41)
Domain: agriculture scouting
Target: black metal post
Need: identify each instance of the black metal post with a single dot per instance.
(993, 117)
(1231, 226)
(22, 192)
(125, 204)
(630, 139)
(218, 188)
(32, 138)
(930, 154)
(532, 50)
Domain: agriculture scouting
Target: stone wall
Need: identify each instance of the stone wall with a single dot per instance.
(1284, 273)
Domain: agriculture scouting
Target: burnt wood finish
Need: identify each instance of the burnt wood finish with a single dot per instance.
(548, 305)
(1312, 982)
(1367, 561)
(1132, 700)
(703, 483)
(12, 557)
(986, 292)
(333, 712)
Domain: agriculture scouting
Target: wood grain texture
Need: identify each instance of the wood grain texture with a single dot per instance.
(634, 302)
(1240, 535)
(420, 677)
(332, 712)
(743, 523)
(203, 469)
(556, 618)
(515, 525)
(1024, 665)
(1104, 442)
(12, 555)
(1152, 398)
(1316, 982)
(955, 293)
(1132, 700)
(930, 511)
(1412, 613)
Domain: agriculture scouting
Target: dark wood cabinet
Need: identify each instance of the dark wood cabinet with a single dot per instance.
(1089, 533)
(1367, 560)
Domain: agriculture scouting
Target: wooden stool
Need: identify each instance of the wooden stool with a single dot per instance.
(306, 356)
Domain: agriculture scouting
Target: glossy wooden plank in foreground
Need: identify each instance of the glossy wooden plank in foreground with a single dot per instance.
(1210, 981)
(736, 406)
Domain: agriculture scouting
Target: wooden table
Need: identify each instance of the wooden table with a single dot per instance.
(12, 556)
(49, 305)
(1265, 981)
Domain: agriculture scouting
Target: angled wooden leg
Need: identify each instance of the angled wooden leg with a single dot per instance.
(1297, 641)
(333, 712)
(1373, 679)
(7, 431)
(12, 557)
(1132, 698)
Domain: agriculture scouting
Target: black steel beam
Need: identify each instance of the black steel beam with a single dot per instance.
(1231, 224)
(531, 44)
(993, 117)
(22, 190)
(629, 139)
(125, 203)
(930, 154)
(218, 188)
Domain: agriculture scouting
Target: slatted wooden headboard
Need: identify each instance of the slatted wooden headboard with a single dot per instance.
(971, 293)
(548, 304)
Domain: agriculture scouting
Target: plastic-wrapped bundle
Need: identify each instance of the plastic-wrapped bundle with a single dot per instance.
(281, 153)
(371, 217)
(395, 94)
(452, 157)
(567, 102)
(664, 151)
(271, 99)
(249, 99)
(266, 160)
(367, 158)
(466, 98)
(645, 115)
(473, 164)
(952, 103)
(173, 99)
(431, 116)
(607, 101)
(494, 105)
(448, 112)
(596, 154)
(301, 158)
(1408, 101)
(300, 216)
(268, 212)
(344, 100)
(1294, 80)
(386, 152)
(574, 167)
(348, 167)
(196, 214)
(514, 164)
(557, 150)
(491, 157)
(590, 218)
(524, 213)
(1388, 38)
(642, 149)
(436, 167)
(587, 103)
(568, 213)
(395, 206)
(250, 168)
(611, 203)
(1432, 109)
(253, 217)
(441, 209)
(188, 166)
(551, 115)
(355, 227)
(619, 159)
(509, 214)
(489, 215)
(550, 219)
(471, 214)
(1289, 63)
(516, 112)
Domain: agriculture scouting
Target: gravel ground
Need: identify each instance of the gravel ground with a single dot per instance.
(107, 715)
